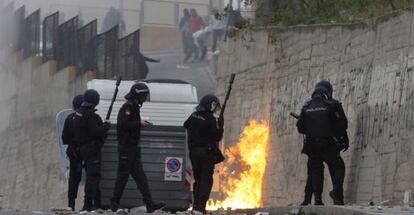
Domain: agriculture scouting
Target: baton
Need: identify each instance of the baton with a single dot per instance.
(118, 82)
(294, 115)
(232, 76)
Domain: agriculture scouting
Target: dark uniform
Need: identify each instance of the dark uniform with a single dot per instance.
(324, 123)
(129, 153)
(89, 134)
(308, 188)
(204, 133)
(73, 153)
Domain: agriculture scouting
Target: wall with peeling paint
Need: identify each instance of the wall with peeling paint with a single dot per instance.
(371, 67)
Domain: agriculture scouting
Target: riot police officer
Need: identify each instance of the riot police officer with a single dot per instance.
(324, 123)
(205, 130)
(89, 134)
(73, 153)
(308, 188)
(129, 125)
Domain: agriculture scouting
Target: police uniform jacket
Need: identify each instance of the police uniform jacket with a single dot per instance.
(321, 117)
(67, 133)
(204, 130)
(88, 127)
(129, 125)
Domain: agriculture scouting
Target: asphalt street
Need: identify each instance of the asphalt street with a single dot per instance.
(198, 73)
(289, 210)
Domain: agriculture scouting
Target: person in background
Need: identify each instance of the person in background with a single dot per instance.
(73, 153)
(218, 25)
(184, 29)
(199, 38)
(142, 65)
(195, 24)
(112, 18)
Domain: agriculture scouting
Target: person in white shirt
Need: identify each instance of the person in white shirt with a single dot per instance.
(217, 24)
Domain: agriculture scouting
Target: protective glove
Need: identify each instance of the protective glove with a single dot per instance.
(343, 142)
(145, 123)
(71, 152)
(107, 125)
(220, 123)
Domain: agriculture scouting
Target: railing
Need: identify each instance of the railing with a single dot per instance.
(31, 31)
(107, 54)
(18, 28)
(67, 43)
(128, 56)
(70, 45)
(50, 34)
(6, 23)
(87, 44)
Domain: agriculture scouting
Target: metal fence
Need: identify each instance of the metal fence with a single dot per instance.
(70, 45)
(128, 56)
(87, 44)
(67, 43)
(107, 54)
(18, 28)
(6, 25)
(31, 29)
(50, 35)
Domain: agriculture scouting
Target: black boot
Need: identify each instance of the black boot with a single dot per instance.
(308, 199)
(97, 203)
(152, 206)
(71, 204)
(336, 200)
(87, 206)
(318, 199)
(114, 204)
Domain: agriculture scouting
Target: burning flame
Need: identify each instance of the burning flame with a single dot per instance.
(242, 174)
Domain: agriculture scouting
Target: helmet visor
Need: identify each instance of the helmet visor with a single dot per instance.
(147, 97)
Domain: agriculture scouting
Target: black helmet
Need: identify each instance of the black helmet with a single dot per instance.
(327, 85)
(138, 89)
(91, 96)
(77, 101)
(321, 91)
(209, 102)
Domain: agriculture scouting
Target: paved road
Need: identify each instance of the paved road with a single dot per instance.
(198, 73)
(291, 210)
(134, 211)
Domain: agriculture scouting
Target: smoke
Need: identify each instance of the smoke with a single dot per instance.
(7, 33)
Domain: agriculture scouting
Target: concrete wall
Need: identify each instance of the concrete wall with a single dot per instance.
(371, 67)
(31, 95)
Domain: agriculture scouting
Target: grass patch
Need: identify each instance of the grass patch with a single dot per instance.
(294, 12)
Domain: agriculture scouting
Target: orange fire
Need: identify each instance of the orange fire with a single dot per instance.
(242, 174)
